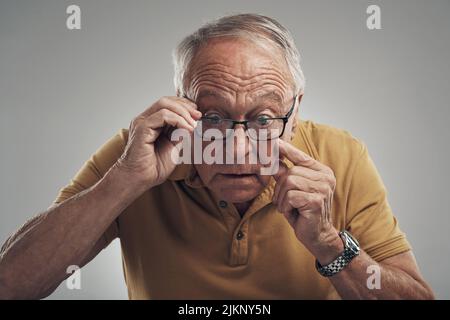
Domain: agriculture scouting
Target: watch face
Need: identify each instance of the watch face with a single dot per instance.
(350, 242)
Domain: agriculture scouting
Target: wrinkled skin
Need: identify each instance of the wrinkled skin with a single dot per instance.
(238, 79)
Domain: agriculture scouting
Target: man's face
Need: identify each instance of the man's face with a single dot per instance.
(239, 80)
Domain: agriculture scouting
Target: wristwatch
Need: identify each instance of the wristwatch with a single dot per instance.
(351, 250)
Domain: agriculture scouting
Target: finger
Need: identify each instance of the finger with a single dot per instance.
(166, 117)
(311, 174)
(293, 182)
(296, 199)
(182, 107)
(178, 108)
(284, 206)
(304, 172)
(191, 105)
(281, 195)
(299, 158)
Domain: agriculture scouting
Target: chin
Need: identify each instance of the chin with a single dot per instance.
(238, 196)
(237, 189)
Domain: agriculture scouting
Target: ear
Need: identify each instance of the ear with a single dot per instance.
(297, 107)
(299, 98)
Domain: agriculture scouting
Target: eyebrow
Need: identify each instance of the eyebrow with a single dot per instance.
(272, 95)
(210, 93)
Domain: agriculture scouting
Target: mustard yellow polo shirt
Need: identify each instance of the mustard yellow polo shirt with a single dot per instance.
(180, 242)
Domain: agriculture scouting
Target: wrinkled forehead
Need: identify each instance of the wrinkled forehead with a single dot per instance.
(231, 67)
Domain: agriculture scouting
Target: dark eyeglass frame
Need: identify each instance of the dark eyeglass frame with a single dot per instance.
(285, 119)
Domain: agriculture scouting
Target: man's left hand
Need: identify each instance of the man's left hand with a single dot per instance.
(304, 195)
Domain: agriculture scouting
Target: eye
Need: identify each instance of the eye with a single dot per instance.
(263, 120)
(212, 118)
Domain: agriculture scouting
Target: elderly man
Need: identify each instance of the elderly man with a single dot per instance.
(317, 228)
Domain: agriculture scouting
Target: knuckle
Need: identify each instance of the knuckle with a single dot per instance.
(164, 99)
(308, 198)
(329, 191)
(165, 114)
(289, 195)
(293, 170)
(291, 198)
(290, 180)
(323, 188)
(316, 200)
(189, 104)
(331, 174)
(332, 182)
(136, 122)
(327, 169)
(310, 161)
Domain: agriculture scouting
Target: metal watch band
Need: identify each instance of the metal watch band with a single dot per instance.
(351, 250)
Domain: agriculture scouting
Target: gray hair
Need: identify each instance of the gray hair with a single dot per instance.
(258, 28)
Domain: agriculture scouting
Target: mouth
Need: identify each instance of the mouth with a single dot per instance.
(241, 177)
(238, 182)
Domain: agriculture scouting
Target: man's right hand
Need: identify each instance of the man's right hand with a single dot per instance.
(147, 155)
(41, 245)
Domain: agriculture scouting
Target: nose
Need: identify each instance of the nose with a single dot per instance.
(239, 132)
(241, 144)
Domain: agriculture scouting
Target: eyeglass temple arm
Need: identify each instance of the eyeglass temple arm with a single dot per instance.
(292, 109)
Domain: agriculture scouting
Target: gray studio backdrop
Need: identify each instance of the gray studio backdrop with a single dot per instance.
(64, 92)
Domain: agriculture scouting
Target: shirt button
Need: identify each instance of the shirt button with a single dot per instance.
(240, 235)
(223, 204)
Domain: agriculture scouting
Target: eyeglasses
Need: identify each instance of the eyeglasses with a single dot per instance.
(262, 128)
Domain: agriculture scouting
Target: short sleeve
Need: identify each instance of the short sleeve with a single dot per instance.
(369, 216)
(92, 171)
